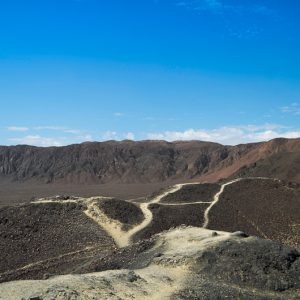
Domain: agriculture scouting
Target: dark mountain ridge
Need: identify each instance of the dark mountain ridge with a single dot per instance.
(144, 161)
(120, 162)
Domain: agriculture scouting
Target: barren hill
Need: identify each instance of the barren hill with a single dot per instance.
(139, 162)
(118, 162)
(107, 168)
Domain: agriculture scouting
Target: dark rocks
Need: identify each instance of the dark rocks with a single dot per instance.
(193, 193)
(51, 233)
(123, 211)
(240, 234)
(246, 269)
(256, 262)
(154, 206)
(266, 208)
(167, 217)
(132, 277)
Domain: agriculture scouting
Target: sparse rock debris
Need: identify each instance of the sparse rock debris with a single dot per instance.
(182, 263)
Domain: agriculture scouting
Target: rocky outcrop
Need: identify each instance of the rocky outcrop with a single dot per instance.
(183, 263)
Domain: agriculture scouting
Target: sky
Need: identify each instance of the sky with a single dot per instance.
(226, 71)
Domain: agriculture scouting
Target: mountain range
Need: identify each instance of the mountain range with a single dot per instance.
(149, 162)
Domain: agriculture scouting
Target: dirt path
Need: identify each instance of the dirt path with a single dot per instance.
(123, 238)
(114, 228)
(184, 203)
(215, 201)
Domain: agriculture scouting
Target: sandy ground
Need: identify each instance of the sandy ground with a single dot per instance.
(159, 280)
(15, 193)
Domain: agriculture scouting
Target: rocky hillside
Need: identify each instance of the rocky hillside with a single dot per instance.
(156, 247)
(183, 263)
(146, 161)
(64, 235)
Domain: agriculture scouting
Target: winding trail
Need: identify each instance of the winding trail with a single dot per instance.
(147, 212)
(114, 228)
(216, 200)
(184, 203)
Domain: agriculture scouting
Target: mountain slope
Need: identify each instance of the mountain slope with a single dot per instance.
(130, 169)
(119, 162)
(139, 162)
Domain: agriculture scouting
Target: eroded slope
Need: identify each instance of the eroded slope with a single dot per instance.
(183, 263)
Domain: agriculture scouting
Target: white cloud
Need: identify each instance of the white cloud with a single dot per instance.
(117, 136)
(56, 128)
(37, 140)
(74, 131)
(16, 128)
(110, 135)
(42, 141)
(130, 136)
(294, 109)
(229, 135)
(60, 128)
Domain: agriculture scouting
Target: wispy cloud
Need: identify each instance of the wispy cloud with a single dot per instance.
(222, 7)
(294, 109)
(61, 129)
(113, 135)
(109, 135)
(130, 136)
(43, 141)
(229, 135)
(45, 136)
(37, 140)
(56, 128)
(16, 128)
(119, 114)
(214, 6)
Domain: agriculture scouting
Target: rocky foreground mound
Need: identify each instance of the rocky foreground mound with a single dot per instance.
(182, 263)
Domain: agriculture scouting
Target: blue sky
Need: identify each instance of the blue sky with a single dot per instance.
(89, 70)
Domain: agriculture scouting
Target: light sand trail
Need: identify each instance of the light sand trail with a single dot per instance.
(184, 203)
(216, 199)
(114, 228)
(123, 238)
(48, 260)
(126, 237)
(217, 196)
